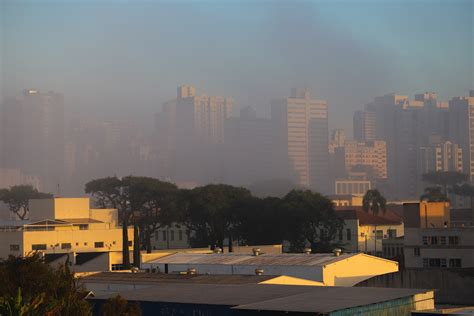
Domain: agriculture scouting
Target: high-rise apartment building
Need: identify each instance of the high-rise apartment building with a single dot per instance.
(248, 148)
(369, 155)
(444, 156)
(203, 116)
(406, 125)
(190, 133)
(364, 124)
(33, 135)
(301, 128)
(461, 129)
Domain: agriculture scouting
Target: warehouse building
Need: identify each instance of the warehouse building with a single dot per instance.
(248, 299)
(329, 269)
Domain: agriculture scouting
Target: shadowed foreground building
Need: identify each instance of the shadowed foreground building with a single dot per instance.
(221, 298)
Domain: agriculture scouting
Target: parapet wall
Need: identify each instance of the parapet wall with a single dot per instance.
(452, 286)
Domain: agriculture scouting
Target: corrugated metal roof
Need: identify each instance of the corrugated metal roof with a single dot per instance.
(265, 297)
(157, 278)
(263, 259)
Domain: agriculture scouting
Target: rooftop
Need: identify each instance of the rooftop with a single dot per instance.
(290, 259)
(355, 212)
(266, 297)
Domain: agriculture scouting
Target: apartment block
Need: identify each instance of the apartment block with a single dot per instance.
(432, 241)
(301, 129)
(371, 155)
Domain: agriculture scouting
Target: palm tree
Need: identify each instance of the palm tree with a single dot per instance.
(374, 202)
(434, 194)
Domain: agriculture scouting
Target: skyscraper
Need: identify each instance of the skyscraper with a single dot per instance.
(461, 129)
(33, 135)
(301, 129)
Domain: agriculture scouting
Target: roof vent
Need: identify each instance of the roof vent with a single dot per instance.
(191, 271)
(307, 251)
(217, 250)
(337, 252)
(259, 271)
(256, 251)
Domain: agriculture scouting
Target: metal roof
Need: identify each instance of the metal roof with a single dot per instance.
(156, 278)
(265, 297)
(287, 259)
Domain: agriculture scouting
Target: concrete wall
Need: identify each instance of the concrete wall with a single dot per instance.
(452, 286)
(355, 269)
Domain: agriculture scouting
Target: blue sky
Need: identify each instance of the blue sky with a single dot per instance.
(129, 56)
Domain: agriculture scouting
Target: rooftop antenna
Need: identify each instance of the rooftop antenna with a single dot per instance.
(59, 190)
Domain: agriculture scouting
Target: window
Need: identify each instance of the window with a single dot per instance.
(66, 245)
(455, 263)
(157, 235)
(425, 240)
(348, 234)
(453, 240)
(130, 243)
(442, 240)
(99, 244)
(38, 247)
(426, 262)
(434, 263)
(434, 240)
(164, 235)
(180, 235)
(85, 244)
(83, 226)
(442, 263)
(392, 233)
(416, 252)
(379, 234)
(172, 235)
(77, 244)
(14, 247)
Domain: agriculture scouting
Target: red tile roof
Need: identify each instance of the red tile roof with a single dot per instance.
(364, 218)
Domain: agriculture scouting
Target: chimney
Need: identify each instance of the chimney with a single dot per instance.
(307, 251)
(337, 252)
(256, 251)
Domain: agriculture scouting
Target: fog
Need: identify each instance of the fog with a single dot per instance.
(114, 64)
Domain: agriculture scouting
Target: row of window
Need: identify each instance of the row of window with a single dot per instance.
(442, 263)
(97, 244)
(440, 240)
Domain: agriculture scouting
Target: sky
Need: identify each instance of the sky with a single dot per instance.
(113, 58)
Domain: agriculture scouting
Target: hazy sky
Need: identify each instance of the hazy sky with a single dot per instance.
(131, 55)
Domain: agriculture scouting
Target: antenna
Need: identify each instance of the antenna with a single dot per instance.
(59, 190)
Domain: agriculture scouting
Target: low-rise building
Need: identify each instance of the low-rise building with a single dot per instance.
(67, 226)
(364, 232)
(330, 269)
(431, 241)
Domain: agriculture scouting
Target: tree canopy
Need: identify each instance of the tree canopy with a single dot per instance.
(32, 287)
(434, 194)
(445, 179)
(17, 198)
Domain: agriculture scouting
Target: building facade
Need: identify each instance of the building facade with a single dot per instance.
(64, 226)
(432, 241)
(301, 129)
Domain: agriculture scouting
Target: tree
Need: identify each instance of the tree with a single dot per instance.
(373, 201)
(434, 194)
(261, 222)
(112, 192)
(118, 306)
(310, 219)
(445, 179)
(17, 198)
(33, 287)
(271, 188)
(210, 213)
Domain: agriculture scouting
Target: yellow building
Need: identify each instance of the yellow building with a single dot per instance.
(67, 226)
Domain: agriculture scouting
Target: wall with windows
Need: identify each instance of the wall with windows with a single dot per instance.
(172, 237)
(439, 247)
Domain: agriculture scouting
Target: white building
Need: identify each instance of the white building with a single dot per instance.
(330, 269)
